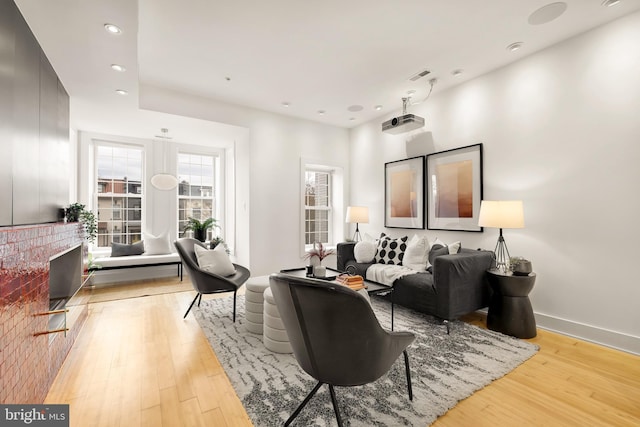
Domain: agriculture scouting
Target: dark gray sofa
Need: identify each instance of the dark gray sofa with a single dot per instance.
(457, 286)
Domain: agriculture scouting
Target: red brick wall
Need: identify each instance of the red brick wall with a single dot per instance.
(29, 364)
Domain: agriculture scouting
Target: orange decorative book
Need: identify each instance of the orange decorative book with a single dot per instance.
(354, 282)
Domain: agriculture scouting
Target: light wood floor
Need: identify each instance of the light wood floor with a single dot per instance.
(138, 363)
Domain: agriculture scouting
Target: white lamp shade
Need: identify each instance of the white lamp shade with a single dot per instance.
(357, 214)
(501, 214)
(164, 181)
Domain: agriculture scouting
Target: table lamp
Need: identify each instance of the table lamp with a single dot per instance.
(501, 214)
(357, 215)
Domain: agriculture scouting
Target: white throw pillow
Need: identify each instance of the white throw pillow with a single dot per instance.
(214, 261)
(157, 245)
(369, 238)
(364, 251)
(416, 257)
(454, 247)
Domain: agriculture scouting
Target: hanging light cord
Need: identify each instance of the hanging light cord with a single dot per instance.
(432, 82)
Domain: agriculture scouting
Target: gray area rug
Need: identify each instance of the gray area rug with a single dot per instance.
(444, 369)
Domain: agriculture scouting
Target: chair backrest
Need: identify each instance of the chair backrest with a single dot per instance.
(185, 248)
(335, 336)
(202, 281)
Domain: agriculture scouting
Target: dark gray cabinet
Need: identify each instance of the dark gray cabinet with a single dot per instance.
(63, 163)
(26, 126)
(34, 107)
(7, 48)
(49, 147)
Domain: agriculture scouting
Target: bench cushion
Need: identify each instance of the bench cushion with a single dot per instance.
(136, 260)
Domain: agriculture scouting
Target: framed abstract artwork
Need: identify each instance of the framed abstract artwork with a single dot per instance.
(404, 193)
(454, 189)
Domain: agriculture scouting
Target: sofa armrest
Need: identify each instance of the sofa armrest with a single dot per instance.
(344, 254)
(460, 281)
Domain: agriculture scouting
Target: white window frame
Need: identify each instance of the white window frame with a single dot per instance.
(328, 208)
(143, 195)
(336, 200)
(219, 197)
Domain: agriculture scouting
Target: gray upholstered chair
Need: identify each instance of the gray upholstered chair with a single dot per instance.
(205, 282)
(335, 336)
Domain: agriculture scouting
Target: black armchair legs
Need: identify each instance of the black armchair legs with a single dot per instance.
(335, 405)
(193, 302)
(199, 299)
(304, 403)
(406, 366)
(333, 395)
(308, 398)
(234, 305)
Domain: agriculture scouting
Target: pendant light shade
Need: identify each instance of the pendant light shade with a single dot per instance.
(164, 180)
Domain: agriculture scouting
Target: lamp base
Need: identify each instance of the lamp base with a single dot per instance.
(502, 254)
(356, 235)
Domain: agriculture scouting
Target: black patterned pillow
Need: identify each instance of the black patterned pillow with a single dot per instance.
(390, 251)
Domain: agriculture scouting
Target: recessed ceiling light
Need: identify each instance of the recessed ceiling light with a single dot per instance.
(355, 108)
(378, 107)
(122, 92)
(228, 79)
(321, 112)
(457, 73)
(547, 13)
(609, 3)
(112, 29)
(286, 104)
(514, 46)
(351, 119)
(411, 92)
(117, 67)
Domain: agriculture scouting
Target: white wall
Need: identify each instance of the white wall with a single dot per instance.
(561, 132)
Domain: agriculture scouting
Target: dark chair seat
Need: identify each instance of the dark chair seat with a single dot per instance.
(335, 336)
(205, 282)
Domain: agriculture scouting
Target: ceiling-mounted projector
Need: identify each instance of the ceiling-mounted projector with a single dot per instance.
(403, 123)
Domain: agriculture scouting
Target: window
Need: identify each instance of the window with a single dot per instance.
(197, 188)
(119, 187)
(317, 207)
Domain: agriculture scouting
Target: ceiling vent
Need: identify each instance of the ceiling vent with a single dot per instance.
(420, 75)
(404, 123)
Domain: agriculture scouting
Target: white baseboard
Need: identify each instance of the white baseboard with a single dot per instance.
(608, 338)
(605, 337)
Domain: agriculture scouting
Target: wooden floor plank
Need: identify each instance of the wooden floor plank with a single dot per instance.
(151, 417)
(172, 415)
(137, 362)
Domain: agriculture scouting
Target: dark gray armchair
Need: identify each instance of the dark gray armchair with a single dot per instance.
(335, 336)
(205, 282)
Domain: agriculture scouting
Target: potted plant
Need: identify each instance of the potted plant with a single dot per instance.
(72, 213)
(76, 212)
(217, 240)
(318, 251)
(200, 228)
(316, 255)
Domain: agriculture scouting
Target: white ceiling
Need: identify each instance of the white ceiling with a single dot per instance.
(316, 55)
